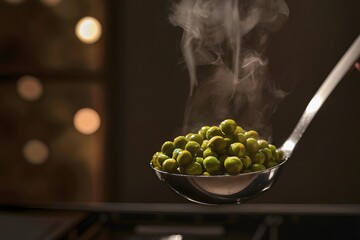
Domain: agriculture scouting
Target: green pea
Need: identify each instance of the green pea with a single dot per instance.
(181, 170)
(237, 149)
(203, 130)
(206, 174)
(239, 130)
(199, 160)
(154, 161)
(275, 157)
(170, 165)
(217, 143)
(241, 138)
(176, 152)
(228, 126)
(160, 157)
(193, 168)
(257, 167)
(184, 158)
(208, 152)
(233, 165)
(258, 158)
(263, 143)
(213, 131)
(252, 145)
(204, 144)
(280, 155)
(194, 137)
(252, 134)
(273, 149)
(270, 164)
(267, 153)
(193, 147)
(246, 161)
(167, 148)
(180, 142)
(199, 153)
(228, 142)
(211, 164)
(222, 158)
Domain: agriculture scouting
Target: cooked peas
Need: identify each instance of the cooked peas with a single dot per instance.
(233, 165)
(203, 130)
(257, 167)
(181, 170)
(204, 144)
(194, 137)
(267, 153)
(159, 158)
(193, 168)
(252, 145)
(237, 149)
(193, 147)
(228, 126)
(241, 138)
(258, 158)
(252, 134)
(280, 155)
(199, 160)
(263, 143)
(239, 130)
(170, 165)
(213, 131)
(226, 149)
(273, 149)
(211, 164)
(176, 152)
(180, 142)
(217, 143)
(246, 162)
(270, 164)
(167, 148)
(208, 152)
(184, 158)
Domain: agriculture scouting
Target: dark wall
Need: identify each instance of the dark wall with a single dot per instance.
(154, 87)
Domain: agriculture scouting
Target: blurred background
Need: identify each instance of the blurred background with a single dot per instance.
(89, 90)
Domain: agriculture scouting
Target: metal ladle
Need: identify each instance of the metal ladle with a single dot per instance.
(236, 189)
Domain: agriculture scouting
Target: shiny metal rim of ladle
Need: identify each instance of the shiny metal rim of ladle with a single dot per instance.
(235, 189)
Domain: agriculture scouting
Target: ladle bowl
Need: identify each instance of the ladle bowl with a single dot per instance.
(223, 189)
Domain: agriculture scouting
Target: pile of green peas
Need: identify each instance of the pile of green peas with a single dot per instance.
(226, 149)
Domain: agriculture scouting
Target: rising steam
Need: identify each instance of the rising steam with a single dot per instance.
(223, 46)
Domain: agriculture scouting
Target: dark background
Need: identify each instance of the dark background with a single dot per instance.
(144, 87)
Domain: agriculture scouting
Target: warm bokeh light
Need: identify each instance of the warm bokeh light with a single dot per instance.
(87, 121)
(88, 30)
(29, 87)
(35, 152)
(14, 1)
(51, 3)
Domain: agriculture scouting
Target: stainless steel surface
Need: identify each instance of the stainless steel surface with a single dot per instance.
(342, 67)
(237, 189)
(220, 189)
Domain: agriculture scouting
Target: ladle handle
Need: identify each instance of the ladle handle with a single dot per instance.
(341, 68)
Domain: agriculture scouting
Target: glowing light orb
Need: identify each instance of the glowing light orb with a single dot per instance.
(87, 121)
(29, 88)
(88, 30)
(35, 152)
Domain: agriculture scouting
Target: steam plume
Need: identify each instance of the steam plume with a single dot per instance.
(223, 46)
